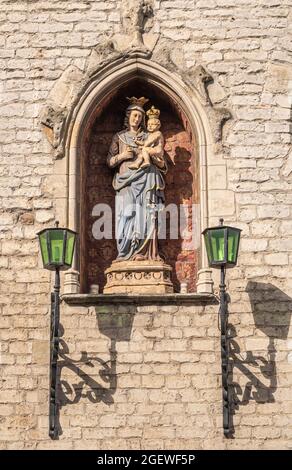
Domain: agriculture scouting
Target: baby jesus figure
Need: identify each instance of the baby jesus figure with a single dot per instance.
(153, 146)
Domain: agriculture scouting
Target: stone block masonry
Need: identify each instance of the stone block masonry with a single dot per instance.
(155, 380)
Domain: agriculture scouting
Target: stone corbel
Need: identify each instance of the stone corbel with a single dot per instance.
(52, 122)
(199, 77)
(60, 100)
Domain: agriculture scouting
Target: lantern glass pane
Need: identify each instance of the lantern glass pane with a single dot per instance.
(208, 247)
(217, 244)
(233, 240)
(44, 247)
(69, 248)
(57, 243)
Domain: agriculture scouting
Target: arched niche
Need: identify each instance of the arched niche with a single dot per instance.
(97, 116)
(182, 183)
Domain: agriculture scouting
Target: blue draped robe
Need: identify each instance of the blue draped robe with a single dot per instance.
(139, 197)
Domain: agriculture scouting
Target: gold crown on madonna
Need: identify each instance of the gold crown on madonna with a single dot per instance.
(139, 102)
(153, 113)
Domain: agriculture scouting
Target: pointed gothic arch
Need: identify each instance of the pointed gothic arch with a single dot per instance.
(96, 95)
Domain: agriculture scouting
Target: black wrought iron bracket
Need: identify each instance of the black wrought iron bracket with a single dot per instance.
(223, 312)
(54, 352)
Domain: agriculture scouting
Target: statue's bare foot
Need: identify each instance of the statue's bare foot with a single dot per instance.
(159, 258)
(139, 258)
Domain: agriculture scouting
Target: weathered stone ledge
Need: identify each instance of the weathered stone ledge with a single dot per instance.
(135, 299)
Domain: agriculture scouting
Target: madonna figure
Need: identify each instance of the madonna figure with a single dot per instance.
(139, 187)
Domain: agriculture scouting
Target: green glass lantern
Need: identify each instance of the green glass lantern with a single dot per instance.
(222, 245)
(57, 247)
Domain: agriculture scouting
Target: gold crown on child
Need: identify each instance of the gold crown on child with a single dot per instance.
(153, 113)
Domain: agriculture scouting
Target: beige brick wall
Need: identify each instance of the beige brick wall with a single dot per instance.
(168, 390)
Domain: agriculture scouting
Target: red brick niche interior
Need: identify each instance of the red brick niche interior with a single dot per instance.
(96, 183)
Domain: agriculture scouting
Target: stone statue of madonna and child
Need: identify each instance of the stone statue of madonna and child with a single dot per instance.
(137, 156)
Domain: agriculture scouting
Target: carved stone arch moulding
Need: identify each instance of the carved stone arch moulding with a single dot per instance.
(72, 106)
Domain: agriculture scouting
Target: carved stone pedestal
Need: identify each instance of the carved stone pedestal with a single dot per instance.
(138, 277)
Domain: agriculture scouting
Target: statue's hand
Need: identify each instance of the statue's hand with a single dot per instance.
(128, 153)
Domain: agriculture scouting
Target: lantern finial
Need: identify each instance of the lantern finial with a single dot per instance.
(57, 224)
(221, 221)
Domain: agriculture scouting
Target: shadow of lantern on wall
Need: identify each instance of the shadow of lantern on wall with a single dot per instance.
(222, 244)
(57, 248)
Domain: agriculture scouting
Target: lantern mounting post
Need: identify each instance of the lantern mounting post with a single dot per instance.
(54, 352)
(57, 248)
(222, 244)
(223, 312)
